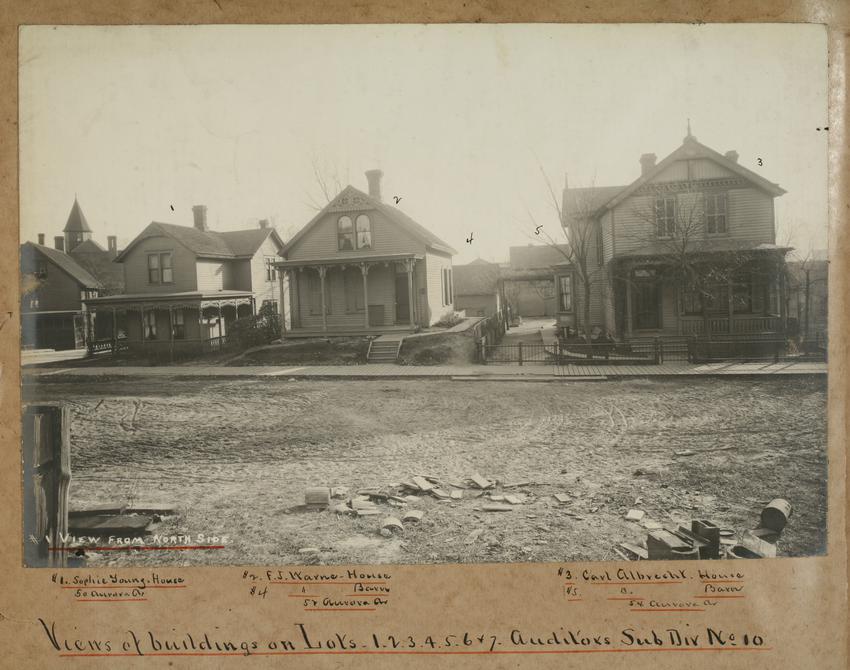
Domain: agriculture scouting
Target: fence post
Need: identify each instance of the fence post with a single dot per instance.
(482, 349)
(520, 353)
(776, 351)
(47, 477)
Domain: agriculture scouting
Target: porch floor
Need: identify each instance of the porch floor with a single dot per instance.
(347, 332)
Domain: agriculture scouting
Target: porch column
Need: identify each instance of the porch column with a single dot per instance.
(114, 329)
(322, 272)
(628, 305)
(200, 322)
(171, 323)
(783, 307)
(219, 323)
(364, 269)
(731, 301)
(142, 317)
(281, 309)
(409, 264)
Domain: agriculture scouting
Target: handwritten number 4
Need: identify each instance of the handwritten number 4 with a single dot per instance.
(469, 239)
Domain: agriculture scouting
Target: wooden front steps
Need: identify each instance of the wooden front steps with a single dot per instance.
(384, 349)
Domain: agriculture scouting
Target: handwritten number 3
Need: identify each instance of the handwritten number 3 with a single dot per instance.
(760, 161)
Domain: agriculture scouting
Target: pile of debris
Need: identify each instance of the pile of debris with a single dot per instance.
(705, 540)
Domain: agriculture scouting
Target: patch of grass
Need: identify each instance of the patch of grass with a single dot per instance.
(333, 351)
(438, 349)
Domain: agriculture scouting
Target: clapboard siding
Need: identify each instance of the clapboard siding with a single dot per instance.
(750, 214)
(321, 240)
(634, 221)
(702, 168)
(256, 281)
(182, 263)
(434, 266)
(211, 275)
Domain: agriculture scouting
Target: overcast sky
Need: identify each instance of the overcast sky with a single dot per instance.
(139, 120)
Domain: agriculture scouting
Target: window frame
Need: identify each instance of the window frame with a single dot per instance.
(665, 218)
(351, 235)
(160, 267)
(568, 308)
(150, 325)
(271, 270)
(178, 324)
(712, 218)
(358, 231)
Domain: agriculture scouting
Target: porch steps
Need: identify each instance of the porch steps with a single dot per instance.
(385, 349)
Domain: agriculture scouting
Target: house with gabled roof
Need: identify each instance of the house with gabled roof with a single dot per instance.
(185, 284)
(54, 287)
(361, 266)
(478, 288)
(687, 249)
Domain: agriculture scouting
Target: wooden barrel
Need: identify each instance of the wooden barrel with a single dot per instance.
(775, 515)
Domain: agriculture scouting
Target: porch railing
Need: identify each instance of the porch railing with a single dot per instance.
(739, 325)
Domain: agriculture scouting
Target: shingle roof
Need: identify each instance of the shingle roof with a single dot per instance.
(209, 243)
(535, 256)
(87, 246)
(64, 262)
(396, 215)
(475, 279)
(76, 220)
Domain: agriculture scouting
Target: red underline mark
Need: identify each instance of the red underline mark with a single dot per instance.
(321, 583)
(429, 653)
(574, 600)
(626, 598)
(111, 600)
(298, 595)
(722, 581)
(667, 609)
(624, 583)
(339, 609)
(128, 586)
(705, 596)
(570, 583)
(138, 548)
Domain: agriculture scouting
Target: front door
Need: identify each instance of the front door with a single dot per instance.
(647, 300)
(402, 300)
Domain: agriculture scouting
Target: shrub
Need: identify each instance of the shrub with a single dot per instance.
(255, 330)
(450, 320)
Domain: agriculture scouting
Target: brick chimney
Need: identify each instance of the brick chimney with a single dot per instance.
(732, 155)
(41, 239)
(264, 223)
(59, 242)
(647, 162)
(112, 244)
(374, 178)
(200, 214)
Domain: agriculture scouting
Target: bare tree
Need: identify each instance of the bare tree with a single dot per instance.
(328, 180)
(576, 240)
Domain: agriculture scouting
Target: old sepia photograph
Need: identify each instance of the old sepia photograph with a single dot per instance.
(423, 294)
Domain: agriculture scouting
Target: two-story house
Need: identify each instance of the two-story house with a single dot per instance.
(185, 284)
(361, 266)
(688, 248)
(53, 288)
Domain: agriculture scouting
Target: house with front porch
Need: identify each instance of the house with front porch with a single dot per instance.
(363, 267)
(687, 249)
(186, 284)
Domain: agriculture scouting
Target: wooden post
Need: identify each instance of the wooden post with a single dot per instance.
(282, 304)
(783, 307)
(171, 331)
(628, 307)
(410, 264)
(364, 269)
(142, 317)
(47, 478)
(201, 325)
(114, 330)
(520, 353)
(730, 301)
(219, 324)
(322, 272)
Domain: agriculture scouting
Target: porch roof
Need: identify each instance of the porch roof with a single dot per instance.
(708, 247)
(347, 260)
(179, 299)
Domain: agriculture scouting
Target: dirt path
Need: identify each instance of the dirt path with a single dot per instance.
(236, 456)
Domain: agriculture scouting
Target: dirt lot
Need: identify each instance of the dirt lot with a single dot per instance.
(237, 456)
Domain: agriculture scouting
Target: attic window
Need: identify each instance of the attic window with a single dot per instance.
(345, 233)
(364, 232)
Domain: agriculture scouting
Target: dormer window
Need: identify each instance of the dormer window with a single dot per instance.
(715, 213)
(345, 233)
(364, 232)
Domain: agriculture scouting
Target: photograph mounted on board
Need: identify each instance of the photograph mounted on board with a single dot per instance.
(409, 294)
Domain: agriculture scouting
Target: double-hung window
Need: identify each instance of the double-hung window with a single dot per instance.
(665, 215)
(159, 268)
(715, 213)
(565, 293)
(271, 271)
